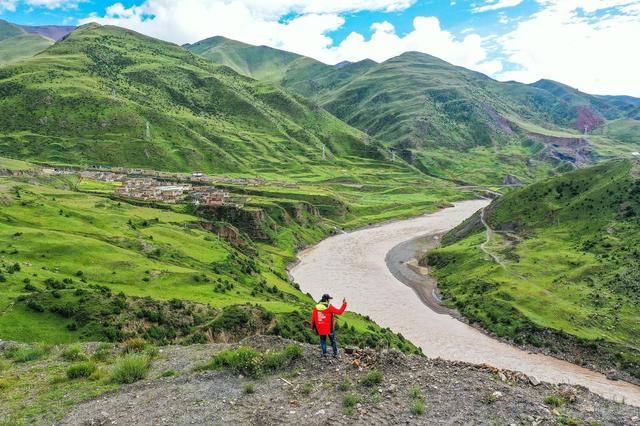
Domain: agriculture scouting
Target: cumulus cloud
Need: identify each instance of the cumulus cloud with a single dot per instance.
(496, 5)
(11, 5)
(427, 37)
(8, 5)
(584, 43)
(305, 31)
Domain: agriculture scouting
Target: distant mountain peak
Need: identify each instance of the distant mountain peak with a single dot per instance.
(54, 32)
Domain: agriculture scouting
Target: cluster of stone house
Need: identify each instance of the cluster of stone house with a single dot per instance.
(150, 189)
(209, 196)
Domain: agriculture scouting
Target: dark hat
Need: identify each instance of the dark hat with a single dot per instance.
(325, 298)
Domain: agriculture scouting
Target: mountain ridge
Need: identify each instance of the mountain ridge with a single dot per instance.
(427, 109)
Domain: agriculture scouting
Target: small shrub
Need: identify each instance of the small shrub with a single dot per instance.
(134, 345)
(130, 369)
(345, 385)
(491, 398)
(74, 353)
(169, 373)
(243, 360)
(82, 370)
(371, 379)
(57, 380)
(274, 361)
(417, 408)
(306, 390)
(30, 287)
(349, 400)
(102, 354)
(248, 361)
(248, 388)
(98, 374)
(5, 384)
(415, 393)
(554, 401)
(349, 403)
(2, 278)
(22, 354)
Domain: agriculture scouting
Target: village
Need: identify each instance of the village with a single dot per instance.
(167, 187)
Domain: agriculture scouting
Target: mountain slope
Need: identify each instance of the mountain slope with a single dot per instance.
(259, 62)
(145, 102)
(449, 121)
(569, 272)
(16, 43)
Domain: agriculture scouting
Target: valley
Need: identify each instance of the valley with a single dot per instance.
(159, 201)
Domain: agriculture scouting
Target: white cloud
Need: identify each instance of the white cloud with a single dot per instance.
(495, 5)
(259, 22)
(565, 42)
(427, 37)
(9, 5)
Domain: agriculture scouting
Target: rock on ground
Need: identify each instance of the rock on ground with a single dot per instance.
(312, 392)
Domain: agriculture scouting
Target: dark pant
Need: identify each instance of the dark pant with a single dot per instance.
(323, 343)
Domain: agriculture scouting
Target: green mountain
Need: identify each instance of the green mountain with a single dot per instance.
(448, 121)
(560, 267)
(109, 95)
(17, 44)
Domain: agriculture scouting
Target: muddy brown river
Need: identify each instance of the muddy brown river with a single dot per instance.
(352, 265)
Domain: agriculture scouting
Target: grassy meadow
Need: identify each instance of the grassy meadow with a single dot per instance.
(569, 246)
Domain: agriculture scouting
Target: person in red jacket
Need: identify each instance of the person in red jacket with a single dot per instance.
(322, 322)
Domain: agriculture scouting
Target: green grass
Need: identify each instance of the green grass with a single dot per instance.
(17, 44)
(131, 100)
(569, 246)
(417, 408)
(251, 363)
(462, 125)
(81, 370)
(371, 379)
(130, 369)
(248, 388)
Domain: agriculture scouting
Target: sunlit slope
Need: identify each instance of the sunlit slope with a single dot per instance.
(569, 246)
(16, 43)
(447, 120)
(109, 95)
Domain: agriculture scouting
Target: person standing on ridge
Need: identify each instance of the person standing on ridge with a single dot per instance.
(323, 324)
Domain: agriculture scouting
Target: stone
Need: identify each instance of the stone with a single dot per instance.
(534, 381)
(320, 412)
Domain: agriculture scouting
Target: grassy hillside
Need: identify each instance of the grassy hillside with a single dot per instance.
(570, 261)
(259, 62)
(79, 264)
(448, 121)
(17, 44)
(109, 95)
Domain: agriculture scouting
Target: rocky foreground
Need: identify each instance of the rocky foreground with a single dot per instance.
(410, 390)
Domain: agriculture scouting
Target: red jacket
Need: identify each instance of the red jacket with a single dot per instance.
(322, 317)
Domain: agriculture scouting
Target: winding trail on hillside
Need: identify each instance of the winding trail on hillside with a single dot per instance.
(352, 265)
(489, 236)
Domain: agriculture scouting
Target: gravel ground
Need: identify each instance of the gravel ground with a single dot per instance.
(309, 392)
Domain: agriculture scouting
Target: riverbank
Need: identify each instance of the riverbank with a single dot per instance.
(353, 265)
(405, 263)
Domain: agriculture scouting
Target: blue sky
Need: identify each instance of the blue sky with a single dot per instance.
(582, 43)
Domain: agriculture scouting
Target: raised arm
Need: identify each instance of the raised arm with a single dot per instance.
(341, 309)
